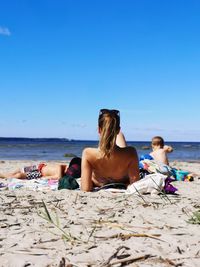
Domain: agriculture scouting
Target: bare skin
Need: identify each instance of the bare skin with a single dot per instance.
(16, 174)
(54, 170)
(50, 171)
(120, 140)
(122, 166)
(160, 154)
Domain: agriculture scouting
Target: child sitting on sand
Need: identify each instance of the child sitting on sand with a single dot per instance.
(156, 161)
(160, 150)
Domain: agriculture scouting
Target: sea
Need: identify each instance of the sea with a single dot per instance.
(64, 149)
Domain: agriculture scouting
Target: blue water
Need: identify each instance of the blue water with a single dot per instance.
(55, 149)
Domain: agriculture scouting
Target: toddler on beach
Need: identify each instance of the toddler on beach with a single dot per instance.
(160, 150)
(157, 160)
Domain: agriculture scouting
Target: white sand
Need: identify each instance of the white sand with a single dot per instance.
(92, 227)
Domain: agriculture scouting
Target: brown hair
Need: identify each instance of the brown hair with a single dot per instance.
(109, 125)
(158, 141)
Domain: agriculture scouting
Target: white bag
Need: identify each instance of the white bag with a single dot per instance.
(152, 183)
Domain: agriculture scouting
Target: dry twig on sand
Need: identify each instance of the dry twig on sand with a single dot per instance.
(123, 258)
(127, 236)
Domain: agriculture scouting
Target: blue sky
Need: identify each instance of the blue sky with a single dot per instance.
(63, 60)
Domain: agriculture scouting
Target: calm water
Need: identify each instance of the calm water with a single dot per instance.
(55, 149)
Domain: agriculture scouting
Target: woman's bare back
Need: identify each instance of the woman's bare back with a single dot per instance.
(121, 166)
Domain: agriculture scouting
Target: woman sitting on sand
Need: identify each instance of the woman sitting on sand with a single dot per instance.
(112, 161)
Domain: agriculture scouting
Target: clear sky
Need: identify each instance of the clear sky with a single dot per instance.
(63, 60)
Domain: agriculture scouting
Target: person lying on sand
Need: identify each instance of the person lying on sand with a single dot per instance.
(47, 170)
(160, 150)
(112, 161)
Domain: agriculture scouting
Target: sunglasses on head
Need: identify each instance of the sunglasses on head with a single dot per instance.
(104, 111)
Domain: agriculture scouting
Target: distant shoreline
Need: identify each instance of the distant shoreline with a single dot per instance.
(3, 138)
(68, 159)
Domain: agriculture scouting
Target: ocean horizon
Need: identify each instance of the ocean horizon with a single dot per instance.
(25, 148)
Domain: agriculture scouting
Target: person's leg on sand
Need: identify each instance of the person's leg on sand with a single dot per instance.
(16, 174)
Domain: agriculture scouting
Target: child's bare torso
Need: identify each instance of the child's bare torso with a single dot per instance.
(160, 155)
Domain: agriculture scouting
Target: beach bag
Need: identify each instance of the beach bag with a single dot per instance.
(152, 183)
(68, 181)
(169, 188)
(74, 168)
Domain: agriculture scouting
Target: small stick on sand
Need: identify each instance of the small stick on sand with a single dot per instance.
(130, 260)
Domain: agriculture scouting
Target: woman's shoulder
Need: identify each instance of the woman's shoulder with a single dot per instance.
(129, 150)
(89, 151)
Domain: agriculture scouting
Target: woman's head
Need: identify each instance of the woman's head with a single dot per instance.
(109, 127)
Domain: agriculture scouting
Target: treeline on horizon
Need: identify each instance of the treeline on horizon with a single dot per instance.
(76, 140)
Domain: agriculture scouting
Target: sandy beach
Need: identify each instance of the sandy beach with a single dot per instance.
(73, 228)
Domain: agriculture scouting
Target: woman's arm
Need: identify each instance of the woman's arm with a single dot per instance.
(86, 172)
(133, 171)
(120, 140)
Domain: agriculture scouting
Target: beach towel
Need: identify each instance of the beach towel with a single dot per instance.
(34, 184)
(112, 187)
(153, 166)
